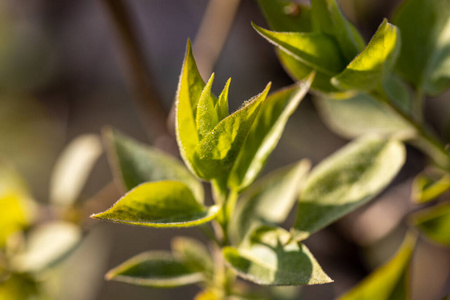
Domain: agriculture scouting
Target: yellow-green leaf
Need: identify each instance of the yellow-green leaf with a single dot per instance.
(327, 18)
(154, 269)
(193, 254)
(190, 88)
(270, 260)
(134, 163)
(434, 222)
(284, 15)
(316, 50)
(217, 151)
(389, 282)
(222, 104)
(345, 181)
(159, 204)
(429, 186)
(269, 200)
(207, 117)
(265, 134)
(300, 71)
(372, 66)
(16, 207)
(425, 55)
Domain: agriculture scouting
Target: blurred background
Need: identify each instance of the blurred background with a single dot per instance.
(71, 67)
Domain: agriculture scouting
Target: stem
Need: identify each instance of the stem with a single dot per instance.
(134, 62)
(227, 210)
(425, 139)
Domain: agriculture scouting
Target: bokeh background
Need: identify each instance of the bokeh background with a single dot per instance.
(65, 71)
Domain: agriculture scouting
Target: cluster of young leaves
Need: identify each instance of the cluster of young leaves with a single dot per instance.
(229, 151)
(29, 247)
(362, 89)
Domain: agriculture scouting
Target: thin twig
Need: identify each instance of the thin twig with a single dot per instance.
(148, 104)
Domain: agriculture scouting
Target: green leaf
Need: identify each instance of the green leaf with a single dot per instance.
(193, 254)
(20, 287)
(72, 169)
(389, 282)
(425, 55)
(154, 269)
(345, 181)
(434, 222)
(270, 260)
(265, 134)
(317, 51)
(300, 71)
(135, 163)
(360, 115)
(209, 294)
(427, 187)
(327, 18)
(48, 245)
(371, 67)
(190, 88)
(222, 104)
(287, 16)
(17, 210)
(218, 150)
(207, 116)
(283, 15)
(159, 204)
(269, 200)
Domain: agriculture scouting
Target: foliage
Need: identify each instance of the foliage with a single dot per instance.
(361, 91)
(370, 92)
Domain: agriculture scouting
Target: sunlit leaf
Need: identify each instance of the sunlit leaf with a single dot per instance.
(300, 71)
(284, 15)
(16, 207)
(345, 181)
(47, 245)
(154, 269)
(427, 187)
(434, 222)
(135, 163)
(269, 200)
(372, 66)
(265, 134)
(425, 55)
(316, 50)
(327, 18)
(222, 104)
(72, 169)
(389, 282)
(193, 254)
(270, 260)
(359, 115)
(190, 87)
(159, 204)
(207, 295)
(19, 287)
(288, 16)
(207, 117)
(218, 150)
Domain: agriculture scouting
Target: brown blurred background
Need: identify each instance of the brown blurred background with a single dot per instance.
(64, 72)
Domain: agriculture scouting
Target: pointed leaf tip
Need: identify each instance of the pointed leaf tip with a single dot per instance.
(159, 204)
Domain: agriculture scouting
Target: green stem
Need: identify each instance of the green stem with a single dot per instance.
(417, 106)
(425, 140)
